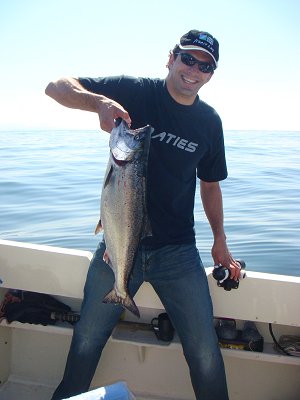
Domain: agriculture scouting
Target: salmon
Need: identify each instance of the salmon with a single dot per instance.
(123, 212)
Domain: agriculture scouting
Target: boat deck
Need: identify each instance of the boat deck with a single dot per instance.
(26, 391)
(13, 390)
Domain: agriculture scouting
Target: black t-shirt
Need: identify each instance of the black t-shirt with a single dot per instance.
(187, 140)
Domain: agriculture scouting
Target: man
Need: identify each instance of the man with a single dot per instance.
(187, 141)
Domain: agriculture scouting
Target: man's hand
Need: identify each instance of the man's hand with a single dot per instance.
(109, 111)
(213, 206)
(222, 256)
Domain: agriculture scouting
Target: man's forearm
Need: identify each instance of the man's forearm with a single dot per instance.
(213, 206)
(70, 93)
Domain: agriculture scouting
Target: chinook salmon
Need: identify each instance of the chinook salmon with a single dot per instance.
(123, 213)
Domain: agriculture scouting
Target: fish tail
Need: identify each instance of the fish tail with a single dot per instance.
(99, 227)
(113, 298)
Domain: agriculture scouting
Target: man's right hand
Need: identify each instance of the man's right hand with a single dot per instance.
(109, 111)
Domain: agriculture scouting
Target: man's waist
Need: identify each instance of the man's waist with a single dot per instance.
(152, 242)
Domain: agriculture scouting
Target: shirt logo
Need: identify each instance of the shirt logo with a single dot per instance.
(176, 141)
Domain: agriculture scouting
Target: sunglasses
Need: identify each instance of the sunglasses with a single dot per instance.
(189, 60)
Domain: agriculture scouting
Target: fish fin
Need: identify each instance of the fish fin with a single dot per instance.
(108, 175)
(113, 298)
(109, 172)
(99, 227)
(106, 258)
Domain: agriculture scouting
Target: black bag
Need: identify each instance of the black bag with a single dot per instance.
(35, 308)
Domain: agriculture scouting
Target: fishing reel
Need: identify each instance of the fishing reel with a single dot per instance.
(222, 276)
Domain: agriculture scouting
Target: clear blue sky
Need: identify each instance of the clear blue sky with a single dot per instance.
(257, 84)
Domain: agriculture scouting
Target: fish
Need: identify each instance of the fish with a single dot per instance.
(123, 209)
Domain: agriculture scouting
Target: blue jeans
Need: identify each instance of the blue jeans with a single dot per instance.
(178, 277)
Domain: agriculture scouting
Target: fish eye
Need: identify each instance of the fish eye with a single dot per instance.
(137, 137)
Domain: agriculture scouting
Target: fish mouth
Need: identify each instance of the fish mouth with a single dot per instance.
(123, 154)
(119, 162)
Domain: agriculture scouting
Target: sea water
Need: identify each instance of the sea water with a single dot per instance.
(50, 185)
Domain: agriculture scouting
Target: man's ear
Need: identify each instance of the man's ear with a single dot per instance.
(171, 60)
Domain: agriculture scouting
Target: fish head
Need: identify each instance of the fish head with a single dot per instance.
(128, 144)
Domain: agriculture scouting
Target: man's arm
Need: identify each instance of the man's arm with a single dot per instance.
(212, 201)
(70, 93)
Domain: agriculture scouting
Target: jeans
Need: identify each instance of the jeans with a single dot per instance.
(178, 277)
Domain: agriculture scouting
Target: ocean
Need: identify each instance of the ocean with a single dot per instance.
(50, 185)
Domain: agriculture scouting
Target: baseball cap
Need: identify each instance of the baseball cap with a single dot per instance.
(200, 40)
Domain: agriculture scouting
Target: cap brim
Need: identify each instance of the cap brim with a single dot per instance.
(197, 48)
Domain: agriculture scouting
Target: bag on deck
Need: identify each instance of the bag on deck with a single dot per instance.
(34, 308)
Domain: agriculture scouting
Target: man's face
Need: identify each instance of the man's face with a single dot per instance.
(184, 81)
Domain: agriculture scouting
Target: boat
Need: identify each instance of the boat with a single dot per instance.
(33, 356)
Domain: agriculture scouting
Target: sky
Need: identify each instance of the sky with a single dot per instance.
(256, 86)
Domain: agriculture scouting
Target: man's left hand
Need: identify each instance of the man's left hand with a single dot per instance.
(222, 256)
